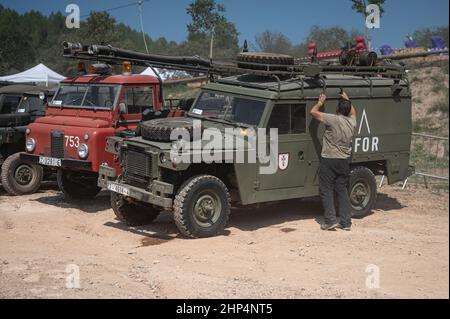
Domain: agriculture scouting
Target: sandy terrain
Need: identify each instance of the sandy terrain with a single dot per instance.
(272, 252)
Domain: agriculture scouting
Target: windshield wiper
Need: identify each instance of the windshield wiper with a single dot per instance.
(234, 123)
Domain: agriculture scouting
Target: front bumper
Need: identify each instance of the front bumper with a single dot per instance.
(158, 193)
(57, 162)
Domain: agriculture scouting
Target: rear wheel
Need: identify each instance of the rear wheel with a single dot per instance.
(131, 212)
(362, 191)
(77, 185)
(19, 177)
(202, 207)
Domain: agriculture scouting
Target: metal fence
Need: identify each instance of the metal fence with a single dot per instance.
(430, 155)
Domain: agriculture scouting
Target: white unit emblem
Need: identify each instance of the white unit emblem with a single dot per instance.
(283, 161)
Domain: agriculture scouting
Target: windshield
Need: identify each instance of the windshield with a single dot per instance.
(30, 104)
(86, 96)
(229, 108)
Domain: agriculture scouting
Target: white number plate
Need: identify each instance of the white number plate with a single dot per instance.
(118, 189)
(49, 161)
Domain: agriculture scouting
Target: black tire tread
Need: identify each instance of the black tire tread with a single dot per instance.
(182, 197)
(362, 170)
(7, 170)
(76, 194)
(130, 214)
(158, 130)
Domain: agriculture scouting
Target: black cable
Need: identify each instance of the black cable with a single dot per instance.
(118, 7)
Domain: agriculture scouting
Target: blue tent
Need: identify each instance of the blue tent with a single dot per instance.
(386, 50)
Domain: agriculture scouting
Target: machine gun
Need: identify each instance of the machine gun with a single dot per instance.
(259, 64)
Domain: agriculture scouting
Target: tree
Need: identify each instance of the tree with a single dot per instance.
(423, 36)
(16, 49)
(99, 28)
(361, 5)
(208, 20)
(275, 42)
(330, 39)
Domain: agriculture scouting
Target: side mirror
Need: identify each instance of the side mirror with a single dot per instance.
(122, 108)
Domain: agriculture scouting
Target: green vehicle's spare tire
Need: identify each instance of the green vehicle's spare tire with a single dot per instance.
(19, 177)
(261, 60)
(160, 130)
(16, 119)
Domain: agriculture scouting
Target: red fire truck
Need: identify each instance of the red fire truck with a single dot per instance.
(85, 110)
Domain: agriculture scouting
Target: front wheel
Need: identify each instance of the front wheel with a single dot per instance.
(202, 207)
(19, 177)
(131, 212)
(362, 191)
(77, 185)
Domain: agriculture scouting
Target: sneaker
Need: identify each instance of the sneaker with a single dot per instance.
(329, 226)
(349, 228)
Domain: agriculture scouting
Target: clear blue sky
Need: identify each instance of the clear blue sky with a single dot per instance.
(168, 18)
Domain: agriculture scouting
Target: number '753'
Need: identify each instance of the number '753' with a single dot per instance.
(72, 141)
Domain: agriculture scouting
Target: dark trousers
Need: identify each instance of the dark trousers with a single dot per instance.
(333, 179)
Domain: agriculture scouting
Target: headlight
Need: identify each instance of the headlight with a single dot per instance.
(30, 144)
(83, 151)
(162, 158)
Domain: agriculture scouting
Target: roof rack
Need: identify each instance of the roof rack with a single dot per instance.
(112, 55)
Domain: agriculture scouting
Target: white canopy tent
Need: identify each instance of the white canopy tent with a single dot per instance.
(166, 74)
(148, 71)
(38, 74)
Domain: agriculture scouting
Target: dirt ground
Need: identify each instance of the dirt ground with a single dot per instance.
(273, 252)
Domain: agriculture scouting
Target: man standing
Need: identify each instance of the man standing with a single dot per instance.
(335, 163)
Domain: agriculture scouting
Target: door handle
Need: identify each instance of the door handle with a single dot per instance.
(301, 155)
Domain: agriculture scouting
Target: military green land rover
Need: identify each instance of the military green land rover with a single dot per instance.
(201, 194)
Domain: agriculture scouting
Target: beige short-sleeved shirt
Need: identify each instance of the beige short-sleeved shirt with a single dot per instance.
(337, 140)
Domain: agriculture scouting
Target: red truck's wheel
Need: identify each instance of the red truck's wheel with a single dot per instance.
(19, 177)
(78, 185)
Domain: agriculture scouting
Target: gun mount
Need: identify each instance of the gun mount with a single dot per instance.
(265, 65)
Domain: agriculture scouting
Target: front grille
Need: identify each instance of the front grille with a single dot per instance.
(138, 168)
(57, 144)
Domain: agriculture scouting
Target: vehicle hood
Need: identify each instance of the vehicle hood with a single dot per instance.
(73, 121)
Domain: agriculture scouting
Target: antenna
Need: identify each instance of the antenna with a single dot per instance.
(142, 24)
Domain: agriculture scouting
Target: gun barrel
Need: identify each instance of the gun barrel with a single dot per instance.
(412, 55)
(109, 51)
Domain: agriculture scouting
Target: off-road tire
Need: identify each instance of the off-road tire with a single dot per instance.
(259, 60)
(368, 58)
(347, 58)
(160, 130)
(189, 193)
(131, 213)
(13, 186)
(77, 187)
(362, 178)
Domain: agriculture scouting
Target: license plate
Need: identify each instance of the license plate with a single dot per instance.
(49, 161)
(118, 189)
